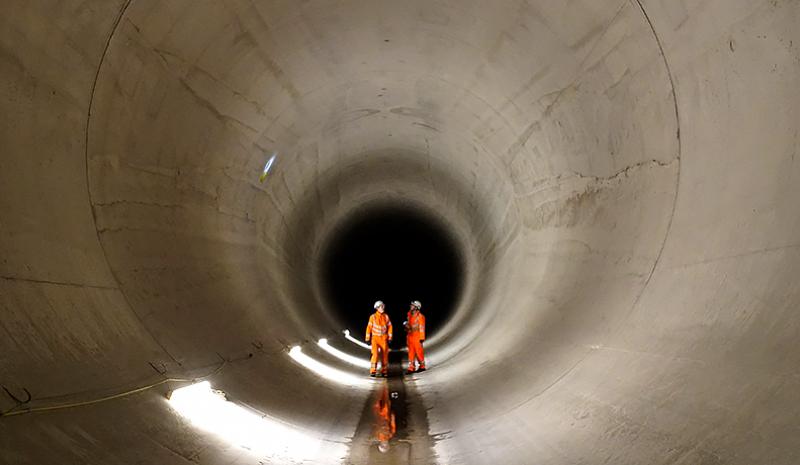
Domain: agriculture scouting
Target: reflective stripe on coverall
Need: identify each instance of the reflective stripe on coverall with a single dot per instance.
(414, 338)
(379, 330)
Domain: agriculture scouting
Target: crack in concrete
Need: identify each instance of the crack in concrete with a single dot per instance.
(245, 19)
(166, 58)
(624, 172)
(116, 202)
(595, 182)
(58, 283)
(218, 209)
(208, 105)
(734, 256)
(515, 148)
(256, 105)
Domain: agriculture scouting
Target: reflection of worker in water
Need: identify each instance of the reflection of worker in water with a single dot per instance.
(415, 334)
(385, 425)
(379, 330)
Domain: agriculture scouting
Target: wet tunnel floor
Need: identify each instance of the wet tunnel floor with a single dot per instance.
(411, 442)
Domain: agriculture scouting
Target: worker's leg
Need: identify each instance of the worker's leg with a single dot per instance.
(411, 353)
(416, 347)
(385, 357)
(373, 361)
(420, 352)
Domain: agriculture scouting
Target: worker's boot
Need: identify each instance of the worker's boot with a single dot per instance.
(372, 375)
(421, 368)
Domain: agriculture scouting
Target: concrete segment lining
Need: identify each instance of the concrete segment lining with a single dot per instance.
(621, 176)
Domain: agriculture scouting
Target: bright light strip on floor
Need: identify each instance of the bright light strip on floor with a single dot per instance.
(330, 373)
(359, 362)
(265, 437)
(354, 340)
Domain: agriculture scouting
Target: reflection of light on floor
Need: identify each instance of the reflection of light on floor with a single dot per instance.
(330, 373)
(355, 341)
(359, 362)
(208, 409)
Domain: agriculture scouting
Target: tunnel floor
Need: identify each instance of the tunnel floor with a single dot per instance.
(411, 443)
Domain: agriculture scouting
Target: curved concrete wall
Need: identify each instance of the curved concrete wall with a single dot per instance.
(620, 177)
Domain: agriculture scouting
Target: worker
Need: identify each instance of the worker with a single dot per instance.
(379, 330)
(415, 335)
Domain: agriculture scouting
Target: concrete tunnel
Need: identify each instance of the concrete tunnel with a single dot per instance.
(617, 180)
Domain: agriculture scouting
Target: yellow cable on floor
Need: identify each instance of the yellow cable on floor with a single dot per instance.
(13, 411)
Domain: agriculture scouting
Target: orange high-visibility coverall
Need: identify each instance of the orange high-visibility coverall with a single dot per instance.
(379, 330)
(414, 338)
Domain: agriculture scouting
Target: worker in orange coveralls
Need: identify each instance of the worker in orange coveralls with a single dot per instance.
(415, 334)
(379, 330)
(385, 425)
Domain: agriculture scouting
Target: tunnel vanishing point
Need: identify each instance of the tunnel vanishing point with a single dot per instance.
(616, 179)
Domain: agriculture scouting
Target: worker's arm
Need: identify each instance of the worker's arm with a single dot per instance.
(369, 329)
(389, 324)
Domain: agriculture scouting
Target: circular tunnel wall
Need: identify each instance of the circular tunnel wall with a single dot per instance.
(625, 229)
(557, 170)
(411, 135)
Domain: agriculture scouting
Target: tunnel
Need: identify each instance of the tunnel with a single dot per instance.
(596, 202)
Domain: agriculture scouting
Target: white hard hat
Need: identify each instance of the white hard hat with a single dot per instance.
(416, 304)
(378, 304)
(383, 446)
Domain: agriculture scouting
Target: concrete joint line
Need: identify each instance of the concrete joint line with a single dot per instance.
(678, 156)
(114, 28)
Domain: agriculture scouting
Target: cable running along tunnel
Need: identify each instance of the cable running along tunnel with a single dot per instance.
(595, 201)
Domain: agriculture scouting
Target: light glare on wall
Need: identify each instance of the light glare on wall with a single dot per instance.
(364, 345)
(208, 409)
(327, 372)
(354, 340)
(359, 362)
(267, 167)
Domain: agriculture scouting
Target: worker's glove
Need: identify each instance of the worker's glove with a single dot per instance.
(367, 339)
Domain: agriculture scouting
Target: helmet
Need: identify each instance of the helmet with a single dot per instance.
(416, 304)
(378, 304)
(383, 446)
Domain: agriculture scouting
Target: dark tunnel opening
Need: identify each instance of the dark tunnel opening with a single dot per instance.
(395, 254)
